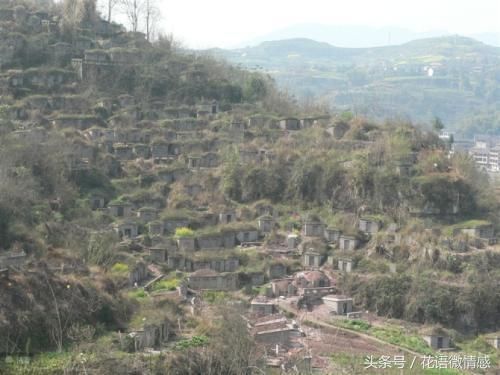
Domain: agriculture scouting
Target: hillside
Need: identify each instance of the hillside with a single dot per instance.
(453, 78)
(164, 212)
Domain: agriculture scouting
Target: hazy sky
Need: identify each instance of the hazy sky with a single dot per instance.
(226, 23)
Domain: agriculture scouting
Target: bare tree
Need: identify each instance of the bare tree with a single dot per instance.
(151, 17)
(133, 10)
(77, 12)
(142, 15)
(110, 6)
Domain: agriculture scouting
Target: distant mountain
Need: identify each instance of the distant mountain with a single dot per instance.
(347, 36)
(492, 39)
(297, 51)
(454, 77)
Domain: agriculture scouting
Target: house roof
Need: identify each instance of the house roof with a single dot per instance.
(312, 276)
(204, 272)
(434, 331)
(261, 300)
(337, 297)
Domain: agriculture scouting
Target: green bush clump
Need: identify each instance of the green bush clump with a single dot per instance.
(119, 268)
(193, 342)
(184, 232)
(171, 284)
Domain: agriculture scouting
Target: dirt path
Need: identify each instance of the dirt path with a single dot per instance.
(330, 326)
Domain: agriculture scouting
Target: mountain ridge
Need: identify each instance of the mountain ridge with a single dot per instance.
(307, 45)
(355, 36)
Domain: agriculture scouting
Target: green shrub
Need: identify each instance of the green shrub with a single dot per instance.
(119, 268)
(212, 296)
(171, 284)
(184, 232)
(193, 342)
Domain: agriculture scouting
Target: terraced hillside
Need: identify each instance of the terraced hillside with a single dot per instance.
(162, 212)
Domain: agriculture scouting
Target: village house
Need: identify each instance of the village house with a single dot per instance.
(256, 278)
(276, 333)
(208, 108)
(4, 273)
(95, 133)
(61, 51)
(219, 265)
(207, 160)
(338, 130)
(265, 224)
(126, 229)
(187, 125)
(211, 241)
(120, 209)
(217, 240)
(247, 234)
(264, 209)
(119, 122)
(155, 228)
(311, 279)
(276, 270)
(283, 287)
(121, 56)
(193, 189)
(263, 306)
(207, 219)
(369, 225)
(257, 121)
(312, 259)
(292, 241)
(164, 149)
(179, 262)
(494, 340)
(15, 78)
(248, 155)
(170, 224)
(338, 304)
(125, 135)
(186, 243)
(35, 134)
(81, 149)
(46, 79)
(437, 338)
(308, 122)
(170, 175)
(481, 230)
(78, 122)
(310, 286)
(313, 227)
(403, 169)
(345, 265)
(142, 151)
(290, 124)
(12, 259)
(227, 217)
(207, 279)
(348, 243)
(123, 152)
(150, 336)
(237, 126)
(147, 214)
(96, 202)
(138, 273)
(332, 235)
(158, 254)
(202, 114)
